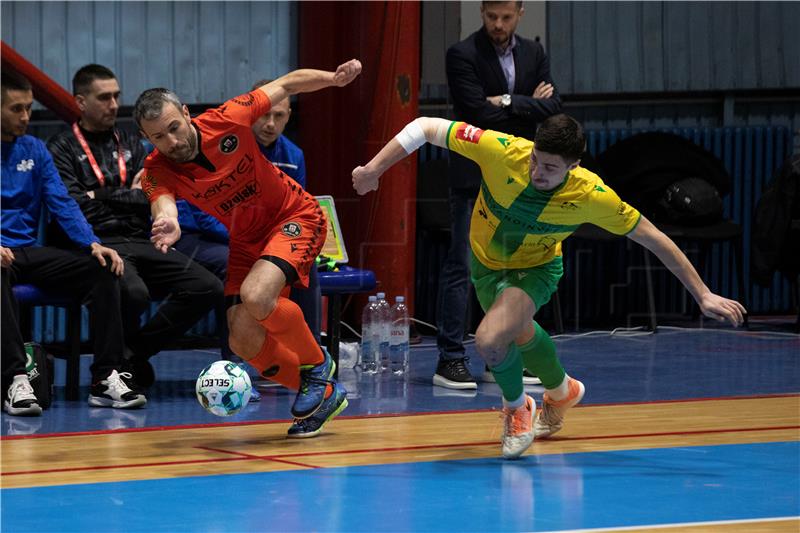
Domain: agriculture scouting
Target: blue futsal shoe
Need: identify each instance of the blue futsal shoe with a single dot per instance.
(311, 426)
(313, 382)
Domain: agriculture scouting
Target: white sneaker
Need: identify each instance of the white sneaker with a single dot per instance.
(518, 428)
(113, 392)
(21, 400)
(551, 419)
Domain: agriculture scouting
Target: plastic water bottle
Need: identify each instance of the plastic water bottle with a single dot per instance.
(370, 337)
(385, 328)
(398, 341)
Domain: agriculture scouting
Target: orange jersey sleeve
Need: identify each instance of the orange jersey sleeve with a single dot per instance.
(246, 108)
(155, 181)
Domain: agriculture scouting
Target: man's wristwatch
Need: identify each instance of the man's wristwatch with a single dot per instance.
(505, 100)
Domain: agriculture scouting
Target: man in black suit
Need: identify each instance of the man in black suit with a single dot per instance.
(500, 81)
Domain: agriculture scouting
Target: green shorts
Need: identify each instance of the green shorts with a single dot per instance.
(539, 282)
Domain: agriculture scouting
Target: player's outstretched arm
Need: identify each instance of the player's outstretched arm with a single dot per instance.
(414, 135)
(712, 305)
(165, 231)
(309, 80)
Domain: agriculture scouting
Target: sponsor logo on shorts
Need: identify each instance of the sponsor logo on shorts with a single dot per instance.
(292, 229)
(247, 192)
(229, 144)
(293, 246)
(468, 133)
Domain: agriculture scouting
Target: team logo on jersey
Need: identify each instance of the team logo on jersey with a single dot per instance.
(292, 229)
(245, 100)
(229, 144)
(468, 133)
(149, 184)
(547, 242)
(26, 165)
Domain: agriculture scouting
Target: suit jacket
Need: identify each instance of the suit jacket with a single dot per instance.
(473, 73)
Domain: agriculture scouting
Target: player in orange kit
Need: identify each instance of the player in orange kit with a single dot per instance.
(276, 228)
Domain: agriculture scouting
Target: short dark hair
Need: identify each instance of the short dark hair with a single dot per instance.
(150, 104)
(561, 135)
(83, 79)
(490, 2)
(14, 81)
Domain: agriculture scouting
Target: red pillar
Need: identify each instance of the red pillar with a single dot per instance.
(342, 128)
(45, 90)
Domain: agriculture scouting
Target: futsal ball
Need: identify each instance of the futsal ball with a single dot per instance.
(223, 388)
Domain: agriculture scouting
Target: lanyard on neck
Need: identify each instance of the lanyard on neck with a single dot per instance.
(123, 171)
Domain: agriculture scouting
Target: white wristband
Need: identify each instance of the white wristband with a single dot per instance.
(411, 137)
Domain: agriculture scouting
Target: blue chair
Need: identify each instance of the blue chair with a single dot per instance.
(30, 296)
(347, 280)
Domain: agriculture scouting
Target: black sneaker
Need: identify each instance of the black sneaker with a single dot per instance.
(527, 377)
(454, 374)
(113, 392)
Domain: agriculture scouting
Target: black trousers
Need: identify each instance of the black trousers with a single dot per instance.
(187, 292)
(71, 273)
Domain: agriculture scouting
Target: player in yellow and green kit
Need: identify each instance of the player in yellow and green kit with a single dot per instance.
(533, 196)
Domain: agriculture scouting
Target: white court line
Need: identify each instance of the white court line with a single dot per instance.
(677, 525)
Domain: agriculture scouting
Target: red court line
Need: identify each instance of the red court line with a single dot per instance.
(377, 415)
(113, 467)
(251, 456)
(280, 458)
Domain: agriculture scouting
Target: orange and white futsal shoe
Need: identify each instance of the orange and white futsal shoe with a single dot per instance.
(518, 428)
(551, 419)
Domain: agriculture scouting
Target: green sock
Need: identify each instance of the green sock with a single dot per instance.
(508, 374)
(539, 357)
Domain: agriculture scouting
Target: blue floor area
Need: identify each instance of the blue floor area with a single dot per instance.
(672, 364)
(537, 493)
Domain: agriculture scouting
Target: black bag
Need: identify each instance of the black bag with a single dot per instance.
(689, 202)
(39, 366)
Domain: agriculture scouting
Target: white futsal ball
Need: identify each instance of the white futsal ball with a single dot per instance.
(223, 388)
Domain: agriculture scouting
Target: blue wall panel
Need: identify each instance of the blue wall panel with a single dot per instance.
(606, 47)
(205, 51)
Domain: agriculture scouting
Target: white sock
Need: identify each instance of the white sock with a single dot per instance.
(519, 402)
(560, 392)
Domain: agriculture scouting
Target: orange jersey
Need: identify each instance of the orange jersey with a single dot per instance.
(230, 178)
(266, 212)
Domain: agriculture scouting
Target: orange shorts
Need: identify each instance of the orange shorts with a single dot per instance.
(293, 242)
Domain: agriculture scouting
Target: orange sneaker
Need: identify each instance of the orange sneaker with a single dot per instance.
(551, 419)
(518, 428)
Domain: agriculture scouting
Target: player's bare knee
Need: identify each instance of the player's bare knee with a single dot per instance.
(490, 346)
(257, 304)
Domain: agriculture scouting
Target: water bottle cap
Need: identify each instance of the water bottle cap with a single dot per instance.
(373, 298)
(381, 295)
(399, 299)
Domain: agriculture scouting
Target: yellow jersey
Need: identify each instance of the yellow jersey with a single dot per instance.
(513, 224)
